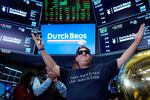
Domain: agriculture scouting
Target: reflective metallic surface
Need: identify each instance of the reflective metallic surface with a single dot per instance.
(134, 79)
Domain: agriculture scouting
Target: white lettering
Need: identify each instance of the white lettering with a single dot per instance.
(11, 39)
(85, 77)
(126, 38)
(66, 36)
(51, 36)
(122, 6)
(17, 12)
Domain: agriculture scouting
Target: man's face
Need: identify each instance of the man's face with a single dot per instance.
(83, 57)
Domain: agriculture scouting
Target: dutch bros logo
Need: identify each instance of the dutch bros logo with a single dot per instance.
(71, 37)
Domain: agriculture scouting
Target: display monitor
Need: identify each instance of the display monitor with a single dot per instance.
(109, 11)
(16, 38)
(62, 39)
(117, 37)
(27, 12)
(67, 11)
(6, 90)
(2, 89)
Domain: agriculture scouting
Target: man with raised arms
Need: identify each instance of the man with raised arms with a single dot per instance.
(85, 81)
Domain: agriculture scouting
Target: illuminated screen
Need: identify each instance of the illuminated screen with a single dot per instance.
(109, 11)
(118, 37)
(27, 12)
(2, 88)
(16, 38)
(66, 38)
(5, 88)
(67, 11)
(8, 88)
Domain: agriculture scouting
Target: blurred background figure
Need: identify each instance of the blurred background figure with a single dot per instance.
(47, 87)
(112, 88)
(23, 90)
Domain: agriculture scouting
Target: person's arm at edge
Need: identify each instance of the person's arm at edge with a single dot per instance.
(36, 84)
(49, 62)
(61, 88)
(38, 88)
(130, 51)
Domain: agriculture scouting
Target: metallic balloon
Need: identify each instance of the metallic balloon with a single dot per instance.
(134, 78)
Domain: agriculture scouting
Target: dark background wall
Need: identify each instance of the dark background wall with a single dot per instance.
(36, 61)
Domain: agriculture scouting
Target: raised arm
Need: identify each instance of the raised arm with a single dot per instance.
(49, 62)
(129, 52)
(39, 88)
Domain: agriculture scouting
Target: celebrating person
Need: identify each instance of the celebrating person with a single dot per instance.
(49, 89)
(88, 82)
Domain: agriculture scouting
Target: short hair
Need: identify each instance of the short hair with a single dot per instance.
(82, 46)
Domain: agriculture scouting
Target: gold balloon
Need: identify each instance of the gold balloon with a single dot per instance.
(134, 79)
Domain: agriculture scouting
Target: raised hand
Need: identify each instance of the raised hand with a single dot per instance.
(38, 41)
(130, 51)
(139, 35)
